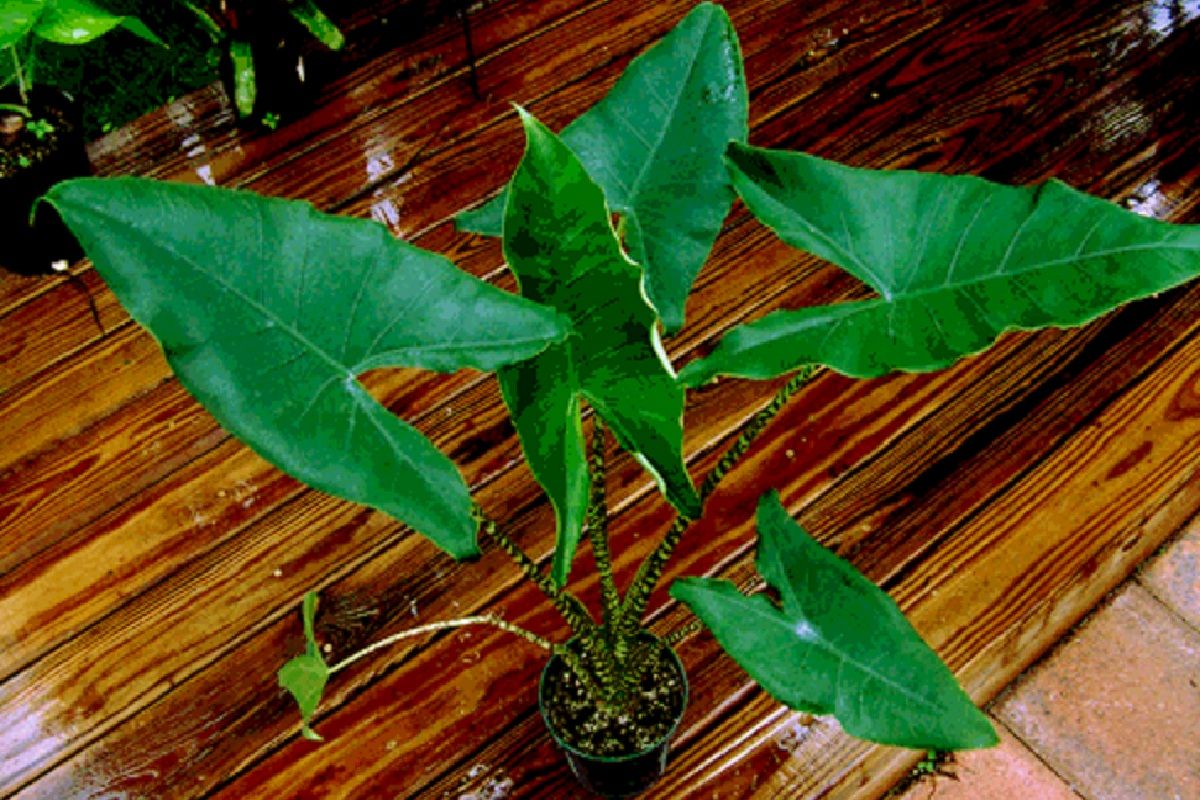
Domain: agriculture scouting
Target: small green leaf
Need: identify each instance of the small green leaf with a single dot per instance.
(654, 143)
(838, 645)
(245, 80)
(268, 311)
(305, 675)
(560, 244)
(320, 26)
(17, 18)
(956, 260)
(81, 21)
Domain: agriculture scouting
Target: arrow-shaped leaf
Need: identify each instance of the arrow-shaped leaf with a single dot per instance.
(838, 645)
(956, 260)
(654, 144)
(268, 310)
(81, 21)
(305, 676)
(560, 244)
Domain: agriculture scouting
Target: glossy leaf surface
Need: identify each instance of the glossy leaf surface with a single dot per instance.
(17, 18)
(955, 260)
(654, 143)
(562, 248)
(268, 310)
(81, 21)
(305, 676)
(837, 644)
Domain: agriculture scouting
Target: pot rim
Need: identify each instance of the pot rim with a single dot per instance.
(558, 740)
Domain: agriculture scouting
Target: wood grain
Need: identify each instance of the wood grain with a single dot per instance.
(150, 567)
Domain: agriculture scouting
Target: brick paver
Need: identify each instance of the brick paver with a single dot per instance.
(1115, 710)
(1174, 577)
(1008, 771)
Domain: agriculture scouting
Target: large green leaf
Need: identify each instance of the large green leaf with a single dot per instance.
(837, 645)
(305, 676)
(560, 244)
(81, 21)
(268, 310)
(17, 18)
(955, 260)
(654, 144)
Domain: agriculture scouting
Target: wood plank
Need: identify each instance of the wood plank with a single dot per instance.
(90, 385)
(67, 488)
(124, 727)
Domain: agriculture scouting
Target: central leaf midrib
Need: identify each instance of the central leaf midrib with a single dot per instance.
(635, 187)
(778, 619)
(365, 409)
(963, 285)
(278, 321)
(893, 294)
(281, 323)
(299, 337)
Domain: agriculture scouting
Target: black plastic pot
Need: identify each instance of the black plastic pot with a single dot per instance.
(36, 249)
(614, 776)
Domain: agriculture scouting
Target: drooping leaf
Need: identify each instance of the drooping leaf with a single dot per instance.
(308, 14)
(837, 645)
(268, 311)
(305, 676)
(955, 260)
(81, 21)
(560, 244)
(654, 144)
(17, 18)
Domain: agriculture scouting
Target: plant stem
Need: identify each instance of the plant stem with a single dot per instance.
(679, 634)
(597, 525)
(568, 605)
(22, 89)
(651, 569)
(484, 619)
(17, 109)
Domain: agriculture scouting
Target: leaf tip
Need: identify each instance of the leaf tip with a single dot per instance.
(695, 374)
(982, 733)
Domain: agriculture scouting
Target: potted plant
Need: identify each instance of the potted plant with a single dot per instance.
(271, 331)
(40, 138)
(264, 66)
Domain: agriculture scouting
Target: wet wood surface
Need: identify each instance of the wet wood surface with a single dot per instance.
(151, 566)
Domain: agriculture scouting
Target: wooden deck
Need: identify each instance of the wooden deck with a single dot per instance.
(151, 567)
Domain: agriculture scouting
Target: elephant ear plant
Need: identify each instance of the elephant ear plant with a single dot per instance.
(271, 330)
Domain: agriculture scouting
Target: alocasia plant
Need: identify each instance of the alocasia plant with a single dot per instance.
(271, 332)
